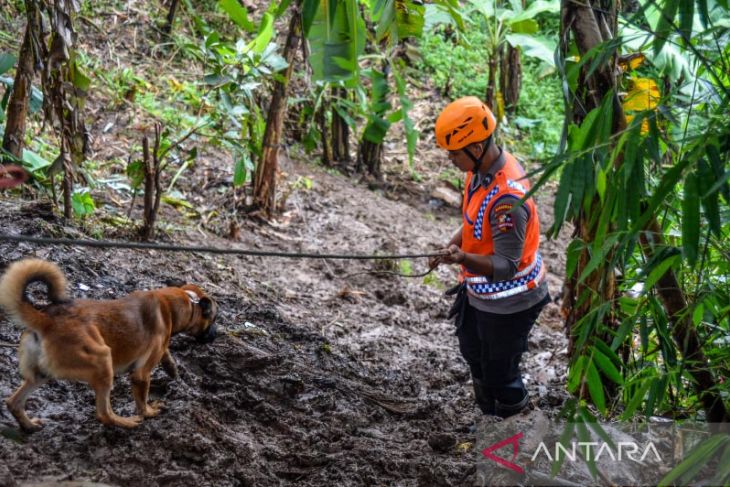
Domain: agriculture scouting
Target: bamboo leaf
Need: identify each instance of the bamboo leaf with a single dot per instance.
(575, 248)
(608, 368)
(636, 399)
(718, 166)
(644, 334)
(565, 436)
(405, 106)
(691, 218)
(584, 436)
(659, 270)
(686, 17)
(698, 314)
(627, 325)
(704, 13)
(595, 387)
(608, 352)
(601, 184)
(699, 457)
(575, 374)
(656, 392)
(599, 257)
(722, 476)
(664, 27)
(583, 166)
(309, 10)
(593, 423)
(709, 197)
(562, 199)
(667, 184)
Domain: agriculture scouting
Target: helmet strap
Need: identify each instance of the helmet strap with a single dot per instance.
(478, 160)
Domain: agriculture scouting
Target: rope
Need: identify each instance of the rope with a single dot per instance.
(203, 249)
(390, 273)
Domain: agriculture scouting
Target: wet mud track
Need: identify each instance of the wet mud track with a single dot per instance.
(315, 379)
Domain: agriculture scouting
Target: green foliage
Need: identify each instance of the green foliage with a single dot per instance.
(670, 166)
(458, 67)
(336, 35)
(82, 203)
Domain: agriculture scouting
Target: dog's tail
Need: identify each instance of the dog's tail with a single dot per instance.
(16, 280)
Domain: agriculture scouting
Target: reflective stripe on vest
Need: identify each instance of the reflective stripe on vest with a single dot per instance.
(479, 224)
(528, 278)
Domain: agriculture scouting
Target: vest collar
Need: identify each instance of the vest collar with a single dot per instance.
(487, 178)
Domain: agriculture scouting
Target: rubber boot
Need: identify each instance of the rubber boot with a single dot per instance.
(506, 407)
(483, 398)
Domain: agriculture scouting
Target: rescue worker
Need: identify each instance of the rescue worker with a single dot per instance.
(502, 281)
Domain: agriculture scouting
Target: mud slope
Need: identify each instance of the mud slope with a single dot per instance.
(318, 379)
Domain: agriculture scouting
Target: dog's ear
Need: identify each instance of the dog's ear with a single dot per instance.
(174, 283)
(206, 304)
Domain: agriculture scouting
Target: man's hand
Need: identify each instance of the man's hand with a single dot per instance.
(452, 255)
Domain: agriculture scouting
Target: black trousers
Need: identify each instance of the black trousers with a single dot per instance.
(492, 344)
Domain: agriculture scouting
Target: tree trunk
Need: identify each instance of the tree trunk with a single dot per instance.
(152, 186)
(684, 332)
(584, 26)
(510, 78)
(600, 285)
(324, 130)
(340, 134)
(17, 112)
(67, 185)
(370, 156)
(492, 80)
(167, 29)
(265, 177)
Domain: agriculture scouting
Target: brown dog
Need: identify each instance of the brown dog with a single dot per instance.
(90, 341)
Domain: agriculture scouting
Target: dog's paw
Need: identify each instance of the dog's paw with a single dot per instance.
(153, 409)
(33, 425)
(129, 422)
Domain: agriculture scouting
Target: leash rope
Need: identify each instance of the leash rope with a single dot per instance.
(203, 249)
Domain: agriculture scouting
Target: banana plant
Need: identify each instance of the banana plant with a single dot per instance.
(516, 28)
(337, 37)
(335, 31)
(395, 22)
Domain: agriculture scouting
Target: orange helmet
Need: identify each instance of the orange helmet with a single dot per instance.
(463, 122)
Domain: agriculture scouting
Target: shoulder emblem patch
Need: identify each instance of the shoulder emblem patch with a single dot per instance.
(502, 208)
(504, 222)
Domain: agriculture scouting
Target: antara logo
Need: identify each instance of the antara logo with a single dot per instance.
(515, 441)
(592, 450)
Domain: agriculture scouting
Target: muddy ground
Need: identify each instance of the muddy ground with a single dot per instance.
(316, 378)
(322, 374)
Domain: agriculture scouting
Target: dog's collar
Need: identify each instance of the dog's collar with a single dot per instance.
(194, 298)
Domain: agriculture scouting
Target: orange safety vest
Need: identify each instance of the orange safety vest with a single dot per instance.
(476, 235)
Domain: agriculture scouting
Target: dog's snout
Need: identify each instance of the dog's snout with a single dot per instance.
(208, 335)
